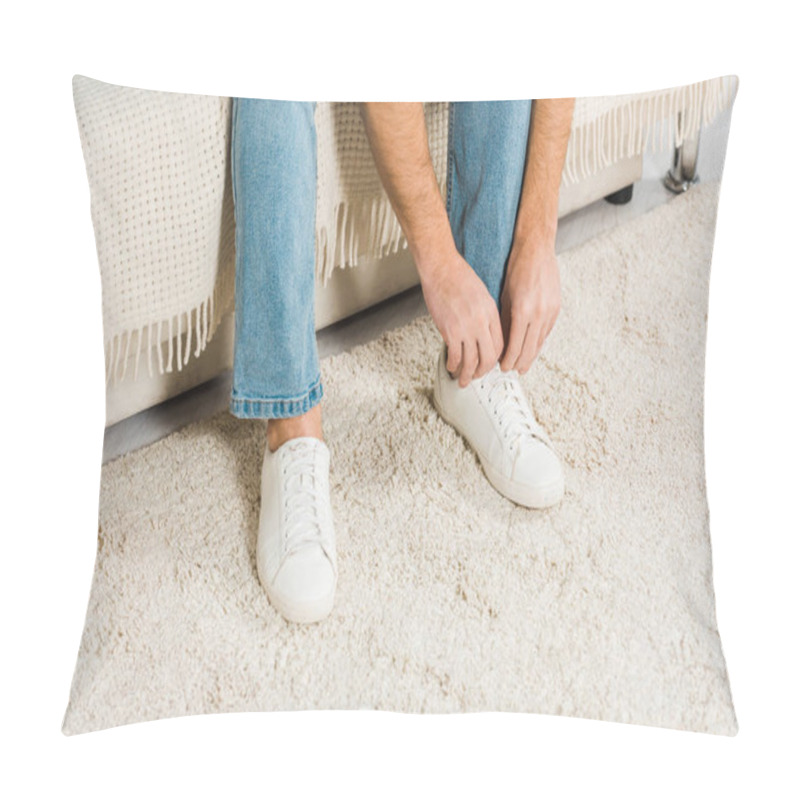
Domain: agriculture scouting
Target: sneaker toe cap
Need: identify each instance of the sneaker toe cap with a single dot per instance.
(537, 465)
(306, 577)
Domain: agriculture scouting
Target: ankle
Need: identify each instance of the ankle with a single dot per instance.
(281, 430)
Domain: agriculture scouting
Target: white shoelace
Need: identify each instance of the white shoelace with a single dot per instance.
(510, 406)
(302, 501)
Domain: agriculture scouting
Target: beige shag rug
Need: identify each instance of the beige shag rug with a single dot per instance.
(450, 597)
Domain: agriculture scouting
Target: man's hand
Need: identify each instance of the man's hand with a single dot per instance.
(530, 303)
(531, 296)
(457, 299)
(466, 316)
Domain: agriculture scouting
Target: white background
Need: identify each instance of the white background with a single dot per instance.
(53, 387)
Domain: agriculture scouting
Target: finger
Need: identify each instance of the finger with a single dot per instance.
(546, 332)
(453, 356)
(529, 350)
(468, 363)
(496, 332)
(543, 338)
(553, 321)
(515, 339)
(486, 358)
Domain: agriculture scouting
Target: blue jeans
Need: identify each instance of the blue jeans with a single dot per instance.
(274, 172)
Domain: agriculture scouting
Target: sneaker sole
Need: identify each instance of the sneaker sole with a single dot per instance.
(539, 497)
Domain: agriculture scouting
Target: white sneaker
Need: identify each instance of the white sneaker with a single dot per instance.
(296, 550)
(494, 416)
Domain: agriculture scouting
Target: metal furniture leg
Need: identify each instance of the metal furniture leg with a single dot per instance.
(683, 173)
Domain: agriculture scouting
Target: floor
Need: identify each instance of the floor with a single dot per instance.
(213, 396)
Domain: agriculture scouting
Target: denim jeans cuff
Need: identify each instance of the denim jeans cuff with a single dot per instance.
(276, 407)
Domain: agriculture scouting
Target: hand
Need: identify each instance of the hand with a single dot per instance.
(465, 314)
(530, 302)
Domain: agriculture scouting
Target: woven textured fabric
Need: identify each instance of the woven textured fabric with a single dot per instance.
(162, 206)
(162, 211)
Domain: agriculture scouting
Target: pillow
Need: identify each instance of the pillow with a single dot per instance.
(450, 597)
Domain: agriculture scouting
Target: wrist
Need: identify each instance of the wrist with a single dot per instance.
(537, 221)
(432, 254)
(534, 240)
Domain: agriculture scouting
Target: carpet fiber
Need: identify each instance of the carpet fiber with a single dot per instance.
(450, 597)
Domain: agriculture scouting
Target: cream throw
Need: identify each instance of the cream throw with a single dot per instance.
(162, 206)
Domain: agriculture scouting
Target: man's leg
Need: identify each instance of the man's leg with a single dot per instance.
(487, 144)
(276, 367)
(274, 171)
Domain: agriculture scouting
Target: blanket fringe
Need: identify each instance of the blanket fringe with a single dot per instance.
(179, 337)
(623, 131)
(348, 221)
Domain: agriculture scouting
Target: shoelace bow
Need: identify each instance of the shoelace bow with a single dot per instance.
(506, 396)
(301, 499)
